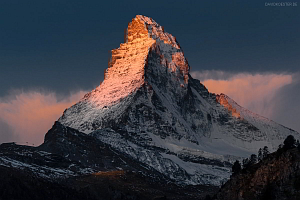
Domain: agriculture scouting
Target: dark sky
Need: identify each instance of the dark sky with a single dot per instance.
(52, 52)
(64, 45)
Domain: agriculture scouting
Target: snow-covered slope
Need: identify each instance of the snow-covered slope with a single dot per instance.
(149, 107)
(41, 163)
(272, 133)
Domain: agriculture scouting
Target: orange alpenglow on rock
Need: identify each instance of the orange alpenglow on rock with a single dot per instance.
(126, 71)
(224, 102)
(149, 108)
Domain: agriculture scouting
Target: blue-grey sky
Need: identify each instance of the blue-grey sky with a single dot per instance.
(64, 46)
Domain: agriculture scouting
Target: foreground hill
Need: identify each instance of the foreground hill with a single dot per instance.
(277, 177)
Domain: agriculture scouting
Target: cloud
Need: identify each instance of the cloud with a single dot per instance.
(287, 110)
(212, 74)
(264, 93)
(27, 116)
(6, 132)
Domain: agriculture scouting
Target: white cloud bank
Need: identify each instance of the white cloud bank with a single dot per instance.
(266, 94)
(27, 116)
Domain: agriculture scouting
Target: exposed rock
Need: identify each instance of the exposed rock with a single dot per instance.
(223, 101)
(73, 165)
(150, 108)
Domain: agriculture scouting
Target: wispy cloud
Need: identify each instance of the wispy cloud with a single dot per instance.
(259, 92)
(27, 116)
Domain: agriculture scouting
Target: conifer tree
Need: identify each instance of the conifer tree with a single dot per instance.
(245, 163)
(260, 155)
(253, 159)
(289, 142)
(265, 151)
(236, 167)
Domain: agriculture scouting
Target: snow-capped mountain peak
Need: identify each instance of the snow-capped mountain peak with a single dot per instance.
(150, 108)
(127, 67)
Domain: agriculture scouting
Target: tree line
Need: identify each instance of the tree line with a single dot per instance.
(289, 143)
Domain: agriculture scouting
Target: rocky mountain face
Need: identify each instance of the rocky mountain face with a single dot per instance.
(74, 165)
(276, 177)
(150, 108)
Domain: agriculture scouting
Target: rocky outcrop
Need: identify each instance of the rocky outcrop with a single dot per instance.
(223, 101)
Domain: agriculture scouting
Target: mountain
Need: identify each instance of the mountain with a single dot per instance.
(149, 131)
(150, 108)
(276, 177)
(73, 165)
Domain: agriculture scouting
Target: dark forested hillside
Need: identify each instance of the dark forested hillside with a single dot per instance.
(276, 177)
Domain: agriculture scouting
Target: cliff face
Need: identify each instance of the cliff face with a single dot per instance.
(150, 108)
(73, 165)
(276, 177)
(224, 102)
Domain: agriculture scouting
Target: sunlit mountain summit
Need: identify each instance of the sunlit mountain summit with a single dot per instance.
(150, 108)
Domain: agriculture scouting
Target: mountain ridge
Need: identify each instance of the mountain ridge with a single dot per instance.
(73, 165)
(150, 103)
